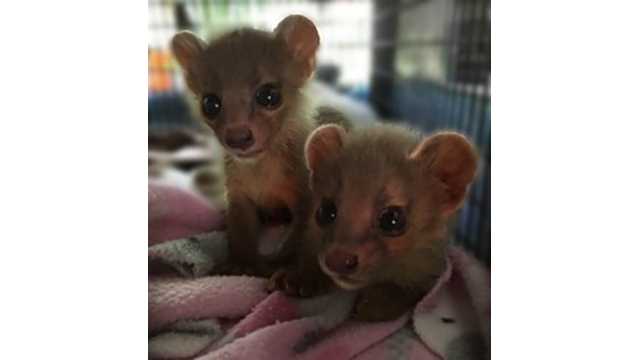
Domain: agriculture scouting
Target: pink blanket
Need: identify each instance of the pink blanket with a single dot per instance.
(195, 315)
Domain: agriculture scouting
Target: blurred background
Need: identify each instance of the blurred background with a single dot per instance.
(423, 63)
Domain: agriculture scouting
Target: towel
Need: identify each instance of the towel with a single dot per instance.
(196, 314)
(176, 213)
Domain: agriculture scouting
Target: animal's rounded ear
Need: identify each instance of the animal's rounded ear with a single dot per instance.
(451, 159)
(186, 46)
(301, 40)
(324, 144)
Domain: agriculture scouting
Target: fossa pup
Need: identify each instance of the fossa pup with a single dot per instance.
(248, 84)
(381, 204)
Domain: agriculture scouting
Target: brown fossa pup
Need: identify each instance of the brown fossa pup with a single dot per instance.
(248, 84)
(382, 198)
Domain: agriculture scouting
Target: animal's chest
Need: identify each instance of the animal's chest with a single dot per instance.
(268, 186)
(275, 187)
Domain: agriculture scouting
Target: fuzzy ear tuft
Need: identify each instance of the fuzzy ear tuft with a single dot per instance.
(324, 144)
(302, 41)
(186, 46)
(452, 159)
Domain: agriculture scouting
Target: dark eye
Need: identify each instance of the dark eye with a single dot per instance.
(326, 213)
(268, 95)
(392, 221)
(211, 105)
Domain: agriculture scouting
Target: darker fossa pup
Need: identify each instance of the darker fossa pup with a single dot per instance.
(248, 84)
(382, 200)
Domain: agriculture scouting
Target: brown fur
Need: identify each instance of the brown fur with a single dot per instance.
(270, 176)
(327, 115)
(367, 171)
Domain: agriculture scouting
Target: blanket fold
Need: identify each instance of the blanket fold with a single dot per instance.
(196, 315)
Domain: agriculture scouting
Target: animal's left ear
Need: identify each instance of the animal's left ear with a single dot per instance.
(452, 159)
(302, 41)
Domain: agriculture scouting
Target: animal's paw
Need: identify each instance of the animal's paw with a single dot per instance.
(239, 269)
(294, 283)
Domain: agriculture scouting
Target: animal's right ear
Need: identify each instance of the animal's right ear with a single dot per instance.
(301, 39)
(451, 159)
(186, 46)
(323, 145)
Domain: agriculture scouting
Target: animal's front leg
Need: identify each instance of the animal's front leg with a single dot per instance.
(243, 230)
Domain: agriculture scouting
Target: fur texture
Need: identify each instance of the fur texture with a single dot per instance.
(266, 181)
(365, 175)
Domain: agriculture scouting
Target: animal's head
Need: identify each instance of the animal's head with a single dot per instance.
(247, 81)
(381, 194)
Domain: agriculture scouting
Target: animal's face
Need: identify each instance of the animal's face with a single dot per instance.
(376, 201)
(247, 82)
(241, 84)
(370, 219)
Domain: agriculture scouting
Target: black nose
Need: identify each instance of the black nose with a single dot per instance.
(341, 262)
(240, 138)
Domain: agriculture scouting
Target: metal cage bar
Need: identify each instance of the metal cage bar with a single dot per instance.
(430, 77)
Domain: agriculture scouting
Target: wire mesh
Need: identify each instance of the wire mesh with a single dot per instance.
(432, 67)
(426, 63)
